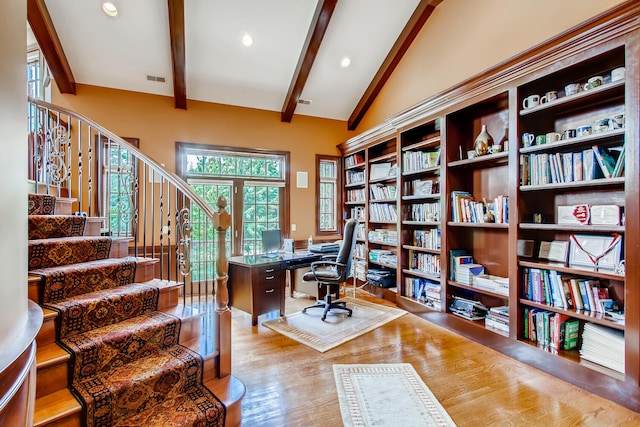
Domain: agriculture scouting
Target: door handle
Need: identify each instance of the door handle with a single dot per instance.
(270, 290)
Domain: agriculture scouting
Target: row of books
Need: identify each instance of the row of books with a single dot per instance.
(425, 212)
(380, 191)
(383, 235)
(497, 320)
(564, 290)
(427, 263)
(424, 290)
(361, 232)
(551, 168)
(354, 159)
(358, 212)
(464, 208)
(417, 160)
(360, 250)
(383, 256)
(356, 195)
(354, 177)
(428, 239)
(422, 187)
(383, 212)
(554, 331)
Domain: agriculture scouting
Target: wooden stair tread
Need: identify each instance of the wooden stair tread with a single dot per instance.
(230, 391)
(198, 345)
(51, 354)
(55, 406)
(48, 313)
(183, 312)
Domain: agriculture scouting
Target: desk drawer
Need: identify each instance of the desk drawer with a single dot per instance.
(268, 270)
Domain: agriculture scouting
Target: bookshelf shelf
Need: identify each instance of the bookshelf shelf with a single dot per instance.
(427, 143)
(432, 169)
(382, 200)
(355, 184)
(383, 264)
(577, 185)
(574, 228)
(357, 202)
(566, 268)
(421, 197)
(355, 166)
(383, 158)
(593, 317)
(383, 243)
(606, 91)
(475, 289)
(383, 179)
(503, 226)
(597, 138)
(420, 273)
(421, 249)
(481, 161)
(424, 223)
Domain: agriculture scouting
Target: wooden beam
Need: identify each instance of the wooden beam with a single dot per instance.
(50, 46)
(318, 27)
(176, 33)
(406, 37)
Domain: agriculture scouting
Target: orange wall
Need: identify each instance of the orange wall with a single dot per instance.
(463, 38)
(159, 126)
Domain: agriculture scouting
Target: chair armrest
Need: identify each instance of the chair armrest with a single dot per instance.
(325, 264)
(329, 257)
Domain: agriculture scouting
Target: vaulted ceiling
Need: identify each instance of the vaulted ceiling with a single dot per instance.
(193, 50)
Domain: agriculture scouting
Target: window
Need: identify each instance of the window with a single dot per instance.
(328, 193)
(120, 180)
(255, 183)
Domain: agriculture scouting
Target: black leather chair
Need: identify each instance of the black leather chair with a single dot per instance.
(333, 273)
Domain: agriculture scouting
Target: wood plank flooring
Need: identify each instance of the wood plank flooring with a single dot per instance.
(289, 384)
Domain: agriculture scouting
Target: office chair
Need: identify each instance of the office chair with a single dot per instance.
(333, 273)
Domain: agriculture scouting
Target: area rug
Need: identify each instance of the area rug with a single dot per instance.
(387, 395)
(308, 329)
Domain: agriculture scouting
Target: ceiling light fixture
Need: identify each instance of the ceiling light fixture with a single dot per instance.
(345, 62)
(247, 40)
(109, 8)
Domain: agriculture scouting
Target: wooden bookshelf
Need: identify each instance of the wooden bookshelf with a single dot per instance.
(450, 121)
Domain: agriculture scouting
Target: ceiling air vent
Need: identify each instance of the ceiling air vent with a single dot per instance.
(155, 78)
(304, 101)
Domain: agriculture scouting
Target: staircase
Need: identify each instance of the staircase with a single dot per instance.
(134, 332)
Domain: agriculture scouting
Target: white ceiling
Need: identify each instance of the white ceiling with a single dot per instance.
(120, 52)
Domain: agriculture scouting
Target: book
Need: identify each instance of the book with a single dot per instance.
(605, 159)
(569, 332)
(590, 167)
(618, 170)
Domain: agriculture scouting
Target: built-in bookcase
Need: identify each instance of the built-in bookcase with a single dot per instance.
(566, 175)
(421, 214)
(473, 187)
(545, 290)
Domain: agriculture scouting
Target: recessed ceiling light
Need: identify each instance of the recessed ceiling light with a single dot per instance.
(109, 8)
(345, 62)
(247, 40)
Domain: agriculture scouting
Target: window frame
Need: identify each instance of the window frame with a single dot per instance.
(337, 160)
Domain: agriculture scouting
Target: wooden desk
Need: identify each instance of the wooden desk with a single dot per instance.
(257, 283)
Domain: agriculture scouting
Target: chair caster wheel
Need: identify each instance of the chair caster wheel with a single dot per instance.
(348, 314)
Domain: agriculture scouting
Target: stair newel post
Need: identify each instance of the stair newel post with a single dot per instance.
(221, 222)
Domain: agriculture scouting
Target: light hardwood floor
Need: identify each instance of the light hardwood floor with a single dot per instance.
(289, 384)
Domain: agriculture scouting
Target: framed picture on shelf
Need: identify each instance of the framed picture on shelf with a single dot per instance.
(595, 250)
(556, 250)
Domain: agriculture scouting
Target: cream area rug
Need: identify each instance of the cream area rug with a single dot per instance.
(387, 395)
(308, 329)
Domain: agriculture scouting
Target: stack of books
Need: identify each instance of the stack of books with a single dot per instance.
(497, 320)
(603, 346)
(466, 272)
(468, 309)
(424, 290)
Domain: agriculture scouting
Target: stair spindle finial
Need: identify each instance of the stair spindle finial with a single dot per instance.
(221, 222)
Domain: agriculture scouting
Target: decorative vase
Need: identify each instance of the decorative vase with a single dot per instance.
(483, 142)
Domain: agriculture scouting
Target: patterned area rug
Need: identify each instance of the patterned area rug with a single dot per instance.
(51, 226)
(308, 329)
(387, 395)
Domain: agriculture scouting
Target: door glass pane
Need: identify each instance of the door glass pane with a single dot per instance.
(261, 211)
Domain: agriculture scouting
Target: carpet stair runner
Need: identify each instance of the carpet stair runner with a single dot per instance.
(127, 366)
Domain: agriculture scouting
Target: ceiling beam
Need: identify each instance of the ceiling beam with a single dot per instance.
(318, 27)
(406, 37)
(50, 46)
(176, 33)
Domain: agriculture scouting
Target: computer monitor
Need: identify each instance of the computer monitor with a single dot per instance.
(271, 242)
